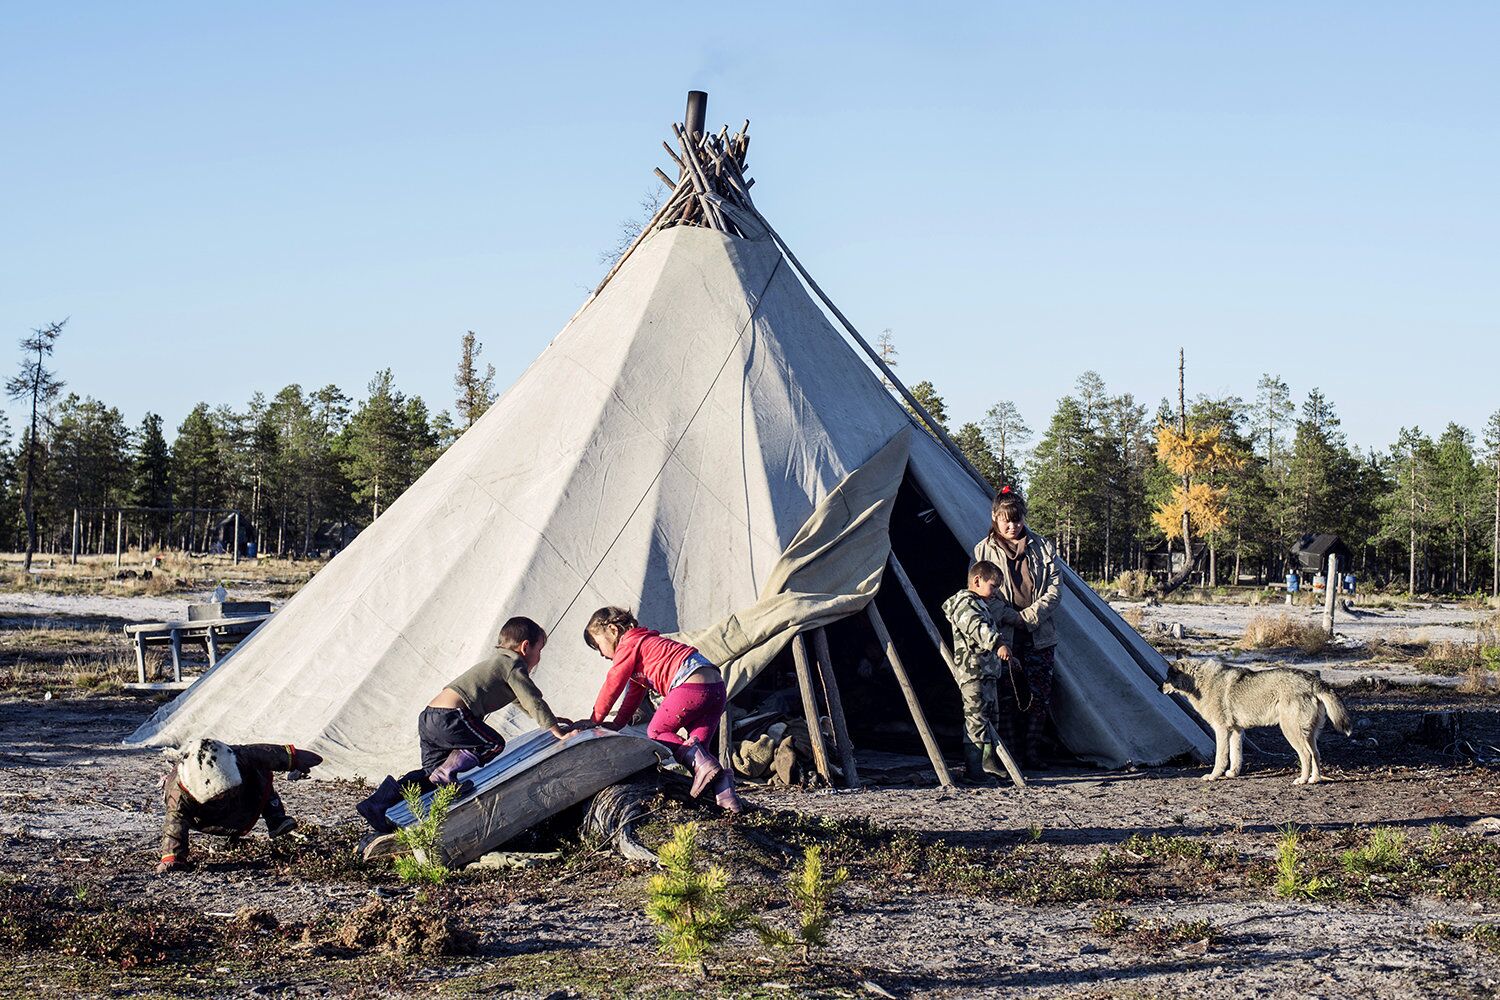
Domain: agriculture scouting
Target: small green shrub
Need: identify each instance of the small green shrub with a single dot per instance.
(424, 837)
(688, 902)
(812, 891)
(1290, 883)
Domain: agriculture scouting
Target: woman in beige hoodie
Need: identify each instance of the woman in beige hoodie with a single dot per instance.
(1030, 589)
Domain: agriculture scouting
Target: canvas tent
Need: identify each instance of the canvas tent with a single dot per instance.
(700, 444)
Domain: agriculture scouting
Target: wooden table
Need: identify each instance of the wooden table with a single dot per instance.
(213, 633)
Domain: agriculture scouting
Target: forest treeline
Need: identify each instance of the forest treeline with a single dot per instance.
(1420, 512)
(306, 468)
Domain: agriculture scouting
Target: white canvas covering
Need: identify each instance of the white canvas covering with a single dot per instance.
(660, 454)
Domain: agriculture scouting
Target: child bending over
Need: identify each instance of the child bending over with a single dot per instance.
(451, 731)
(981, 650)
(692, 690)
(221, 789)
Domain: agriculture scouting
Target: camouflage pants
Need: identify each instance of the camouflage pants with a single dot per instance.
(981, 701)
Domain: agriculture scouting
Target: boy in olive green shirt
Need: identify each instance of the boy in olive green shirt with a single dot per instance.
(451, 730)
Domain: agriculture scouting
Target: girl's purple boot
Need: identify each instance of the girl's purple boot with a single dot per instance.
(703, 764)
(724, 794)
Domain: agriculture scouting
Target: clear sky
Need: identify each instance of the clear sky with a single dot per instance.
(229, 197)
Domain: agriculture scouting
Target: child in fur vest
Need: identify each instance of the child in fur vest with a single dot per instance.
(221, 789)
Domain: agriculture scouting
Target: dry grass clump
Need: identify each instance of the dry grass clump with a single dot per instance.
(1133, 584)
(1134, 617)
(1283, 632)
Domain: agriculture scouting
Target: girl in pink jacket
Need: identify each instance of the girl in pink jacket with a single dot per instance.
(692, 689)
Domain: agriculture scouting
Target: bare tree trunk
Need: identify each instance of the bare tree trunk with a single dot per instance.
(1411, 558)
(1495, 543)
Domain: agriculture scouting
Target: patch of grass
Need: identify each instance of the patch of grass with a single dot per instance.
(1158, 935)
(1110, 922)
(1384, 852)
(1183, 849)
(1283, 632)
(73, 924)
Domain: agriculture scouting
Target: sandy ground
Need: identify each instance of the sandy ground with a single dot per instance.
(30, 609)
(1429, 622)
(80, 813)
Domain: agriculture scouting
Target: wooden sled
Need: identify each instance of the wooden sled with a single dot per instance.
(535, 778)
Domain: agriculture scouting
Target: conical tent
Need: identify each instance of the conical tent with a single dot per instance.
(698, 440)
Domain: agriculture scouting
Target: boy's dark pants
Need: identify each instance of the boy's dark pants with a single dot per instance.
(440, 731)
(1026, 699)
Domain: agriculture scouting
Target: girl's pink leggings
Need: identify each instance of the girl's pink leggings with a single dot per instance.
(694, 707)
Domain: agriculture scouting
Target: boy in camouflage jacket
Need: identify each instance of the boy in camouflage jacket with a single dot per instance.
(981, 647)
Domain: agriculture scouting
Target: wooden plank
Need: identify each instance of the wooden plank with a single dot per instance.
(917, 715)
(1001, 750)
(212, 644)
(810, 708)
(176, 642)
(140, 659)
(824, 659)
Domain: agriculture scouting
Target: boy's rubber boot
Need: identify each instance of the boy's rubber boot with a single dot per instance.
(990, 761)
(724, 794)
(281, 829)
(457, 762)
(974, 766)
(374, 806)
(704, 765)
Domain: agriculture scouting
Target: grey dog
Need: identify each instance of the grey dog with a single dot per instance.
(1233, 699)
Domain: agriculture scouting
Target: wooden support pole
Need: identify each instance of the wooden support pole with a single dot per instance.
(810, 708)
(923, 729)
(824, 659)
(119, 537)
(73, 555)
(236, 559)
(899, 571)
(1330, 590)
(726, 737)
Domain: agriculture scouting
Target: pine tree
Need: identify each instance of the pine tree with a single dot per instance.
(475, 393)
(970, 441)
(925, 394)
(151, 476)
(195, 473)
(885, 346)
(1006, 433)
(38, 384)
(1492, 456)
(1406, 509)
(386, 443)
(688, 902)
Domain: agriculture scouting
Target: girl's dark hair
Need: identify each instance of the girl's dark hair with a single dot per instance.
(1010, 503)
(605, 617)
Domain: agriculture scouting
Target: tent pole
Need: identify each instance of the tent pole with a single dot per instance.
(824, 659)
(810, 708)
(1001, 750)
(725, 737)
(917, 716)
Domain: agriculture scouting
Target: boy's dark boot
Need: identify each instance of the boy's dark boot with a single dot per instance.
(278, 823)
(974, 767)
(990, 760)
(377, 802)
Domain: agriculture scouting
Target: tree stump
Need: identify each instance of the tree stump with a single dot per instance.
(1440, 730)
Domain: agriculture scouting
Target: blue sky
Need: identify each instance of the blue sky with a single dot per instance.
(228, 198)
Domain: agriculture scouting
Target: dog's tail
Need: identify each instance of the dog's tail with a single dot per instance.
(1337, 714)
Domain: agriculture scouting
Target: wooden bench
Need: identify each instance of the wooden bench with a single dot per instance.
(213, 633)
